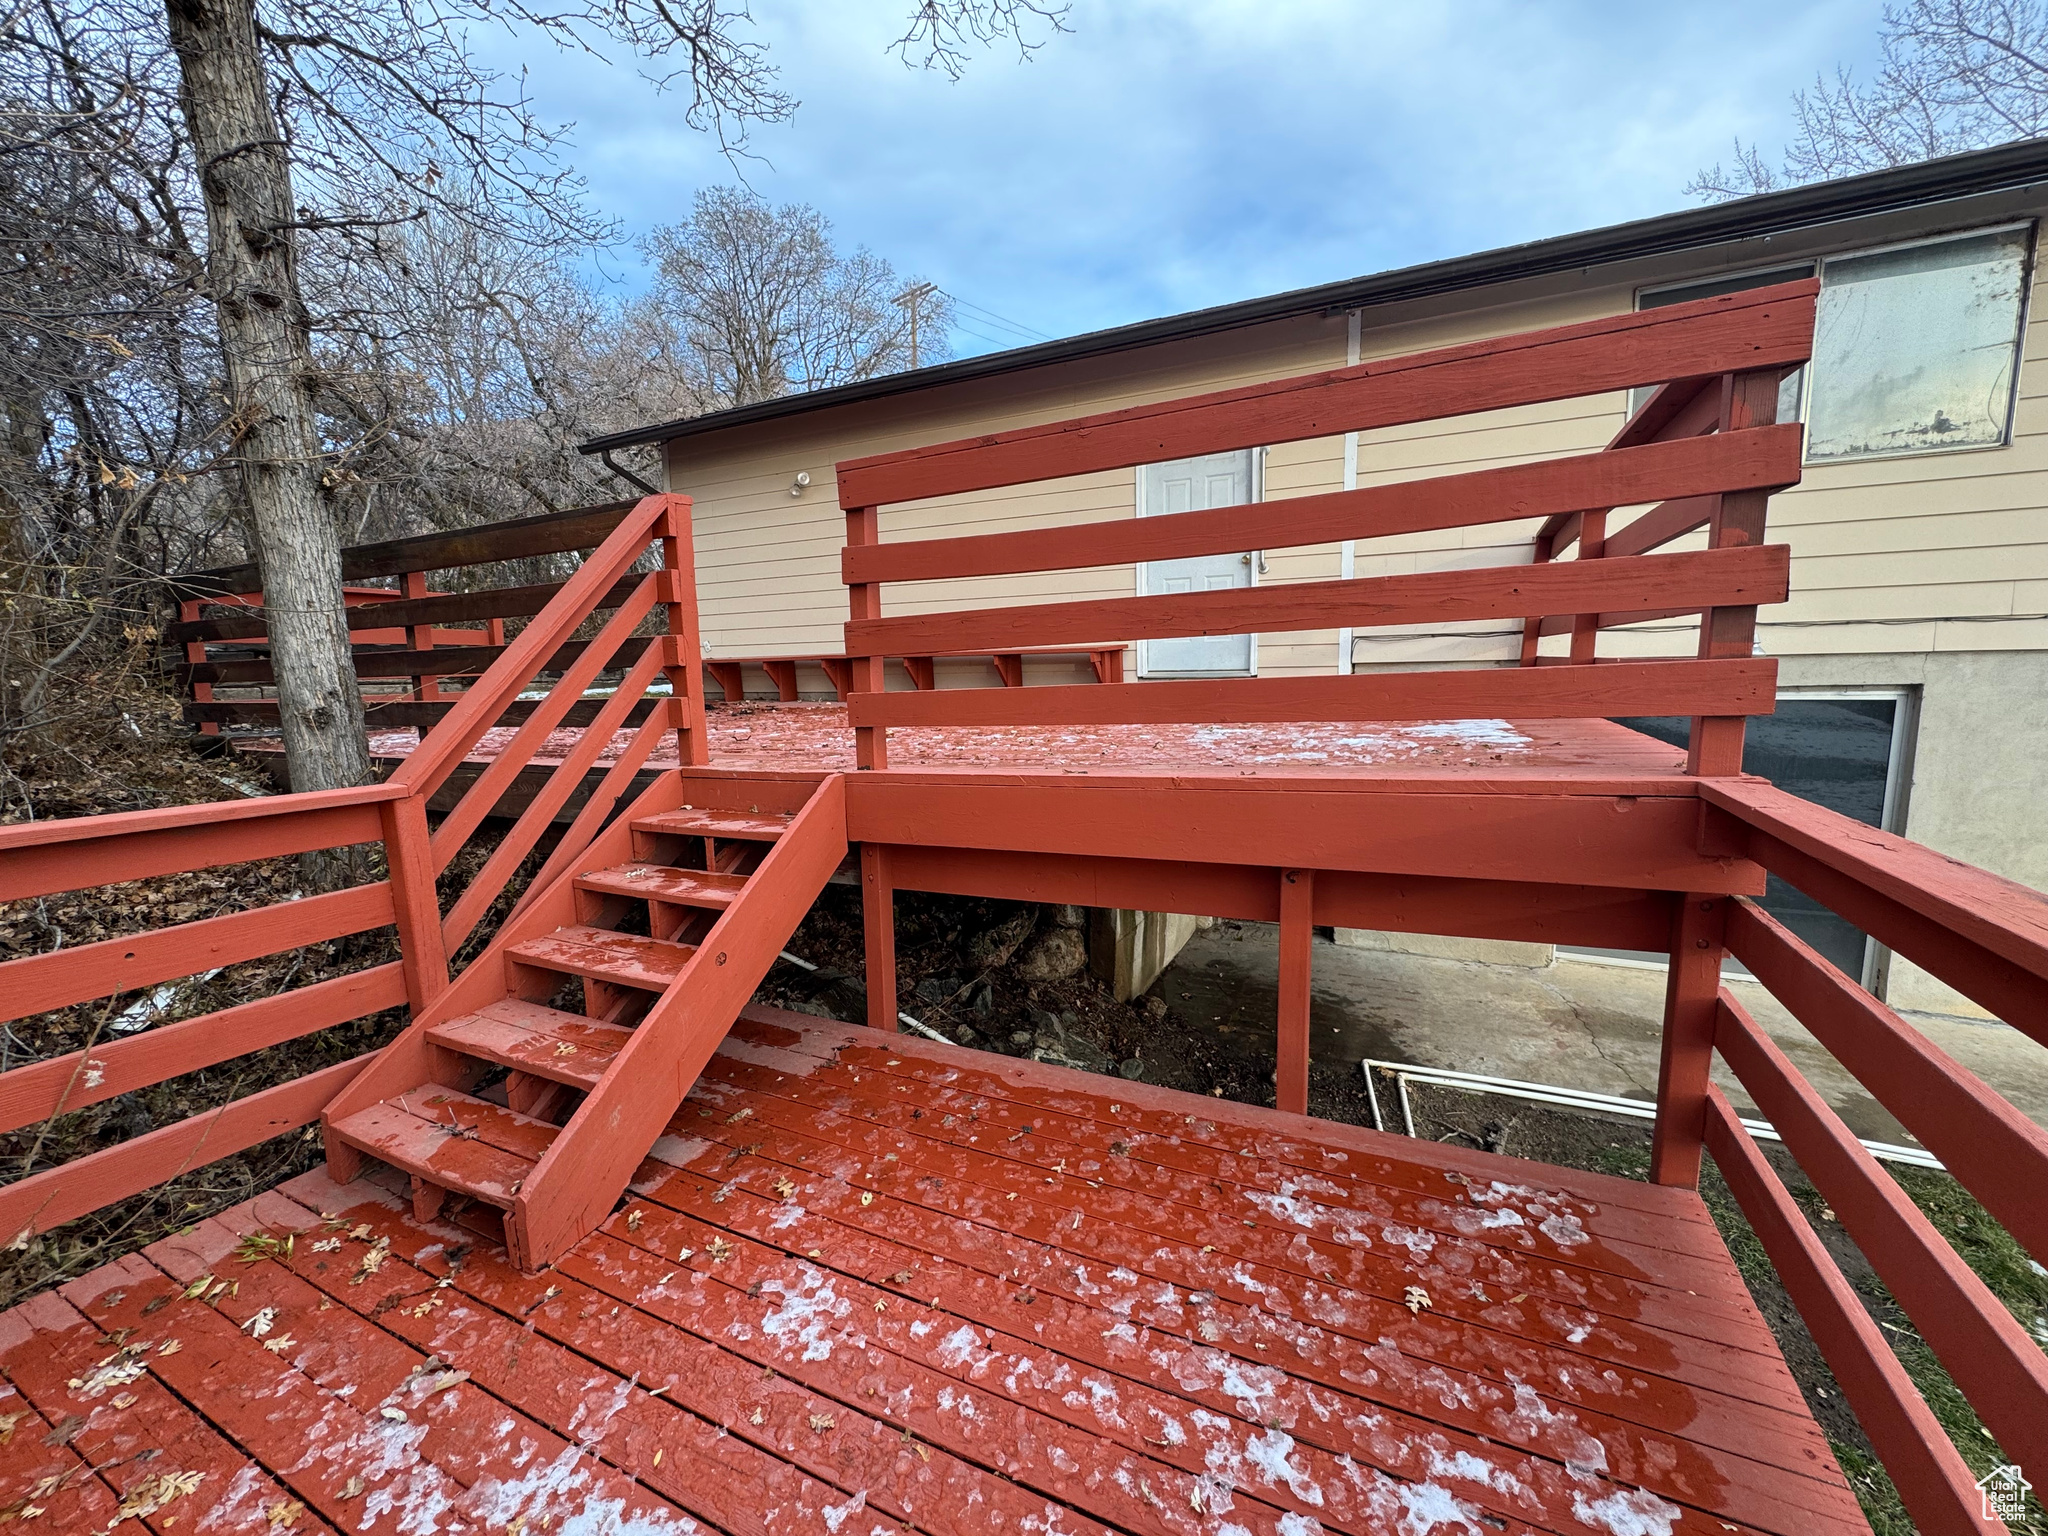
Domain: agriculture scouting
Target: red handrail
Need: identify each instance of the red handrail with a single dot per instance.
(41, 858)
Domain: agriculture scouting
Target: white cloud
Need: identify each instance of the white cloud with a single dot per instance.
(1175, 153)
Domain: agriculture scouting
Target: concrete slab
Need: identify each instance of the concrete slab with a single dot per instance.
(1575, 1024)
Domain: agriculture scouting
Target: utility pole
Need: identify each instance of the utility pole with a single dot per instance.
(912, 299)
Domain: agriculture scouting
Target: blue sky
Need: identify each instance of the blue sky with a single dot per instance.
(1170, 154)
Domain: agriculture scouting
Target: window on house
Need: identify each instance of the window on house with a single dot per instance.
(1917, 347)
(1843, 750)
(1656, 298)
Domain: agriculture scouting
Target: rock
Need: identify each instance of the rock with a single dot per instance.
(1055, 955)
(1070, 917)
(933, 990)
(1133, 1069)
(983, 1000)
(1076, 1053)
(966, 1036)
(1042, 1021)
(1020, 1037)
(814, 1009)
(1155, 1008)
(994, 946)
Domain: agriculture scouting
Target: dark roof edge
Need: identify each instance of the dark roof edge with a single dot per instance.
(2006, 168)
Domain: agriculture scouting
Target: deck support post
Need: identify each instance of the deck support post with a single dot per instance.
(1532, 628)
(683, 666)
(414, 900)
(1691, 991)
(1297, 932)
(864, 601)
(1747, 400)
(1586, 626)
(878, 921)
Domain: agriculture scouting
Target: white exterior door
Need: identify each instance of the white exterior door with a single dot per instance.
(1195, 485)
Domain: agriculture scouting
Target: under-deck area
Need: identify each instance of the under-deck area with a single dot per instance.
(870, 1285)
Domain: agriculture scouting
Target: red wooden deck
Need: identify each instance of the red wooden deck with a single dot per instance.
(784, 738)
(911, 1287)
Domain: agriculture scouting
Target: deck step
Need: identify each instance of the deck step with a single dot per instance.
(658, 882)
(463, 1144)
(542, 1042)
(746, 826)
(598, 954)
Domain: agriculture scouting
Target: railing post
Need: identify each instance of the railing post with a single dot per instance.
(1586, 626)
(1297, 935)
(1532, 627)
(684, 664)
(878, 920)
(1747, 400)
(417, 905)
(420, 637)
(864, 601)
(195, 652)
(1692, 988)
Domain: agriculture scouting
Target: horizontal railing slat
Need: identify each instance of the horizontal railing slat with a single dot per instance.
(453, 661)
(403, 713)
(1998, 1153)
(550, 533)
(1759, 574)
(1757, 329)
(452, 608)
(56, 1195)
(40, 983)
(1984, 935)
(1998, 1366)
(1767, 457)
(1741, 686)
(74, 1081)
(1932, 1478)
(76, 852)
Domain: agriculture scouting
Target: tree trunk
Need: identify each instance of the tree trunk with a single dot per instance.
(245, 176)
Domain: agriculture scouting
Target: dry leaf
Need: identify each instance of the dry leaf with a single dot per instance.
(280, 1344)
(284, 1516)
(755, 1417)
(737, 1117)
(260, 1324)
(633, 1220)
(785, 1187)
(352, 1489)
(198, 1287)
(170, 1347)
(7, 1423)
(1415, 1298)
(821, 1422)
(867, 1197)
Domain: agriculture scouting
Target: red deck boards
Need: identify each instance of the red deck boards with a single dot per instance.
(871, 1285)
(772, 738)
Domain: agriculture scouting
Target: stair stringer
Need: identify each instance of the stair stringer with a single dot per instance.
(412, 1059)
(581, 1176)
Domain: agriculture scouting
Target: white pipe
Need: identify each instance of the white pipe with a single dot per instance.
(1579, 1098)
(902, 1018)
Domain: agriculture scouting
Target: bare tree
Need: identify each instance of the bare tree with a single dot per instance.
(347, 118)
(770, 305)
(1955, 75)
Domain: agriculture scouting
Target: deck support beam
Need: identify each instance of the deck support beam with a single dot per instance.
(1297, 934)
(1692, 991)
(878, 920)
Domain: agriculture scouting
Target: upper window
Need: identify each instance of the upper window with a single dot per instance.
(1917, 347)
(1915, 350)
(1656, 298)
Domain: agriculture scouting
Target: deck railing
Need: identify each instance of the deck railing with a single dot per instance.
(408, 639)
(1984, 936)
(44, 858)
(1730, 350)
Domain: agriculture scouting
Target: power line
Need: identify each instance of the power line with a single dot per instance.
(1002, 321)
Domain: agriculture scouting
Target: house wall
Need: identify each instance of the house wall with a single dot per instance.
(1927, 571)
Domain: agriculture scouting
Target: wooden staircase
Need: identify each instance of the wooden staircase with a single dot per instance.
(593, 1029)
